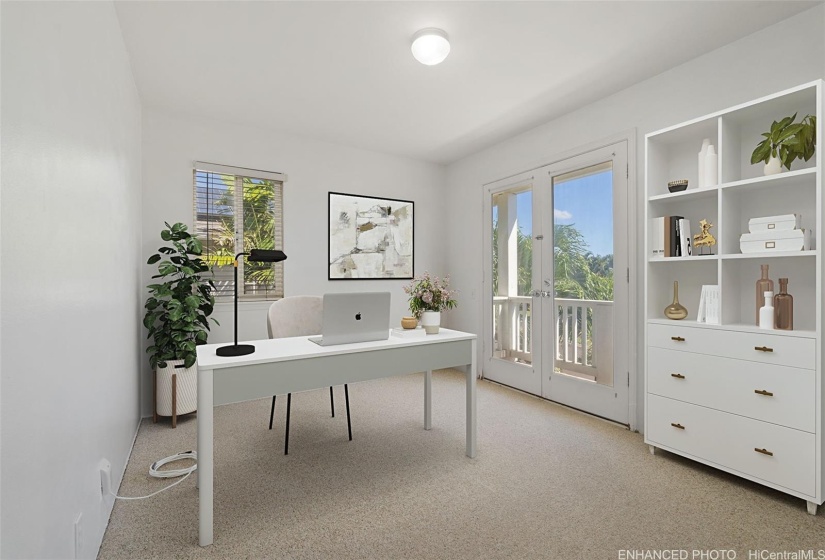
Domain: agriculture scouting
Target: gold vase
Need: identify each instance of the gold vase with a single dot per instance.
(675, 310)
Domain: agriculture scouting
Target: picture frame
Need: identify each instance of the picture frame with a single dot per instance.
(370, 238)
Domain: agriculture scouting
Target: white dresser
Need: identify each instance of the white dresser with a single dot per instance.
(731, 395)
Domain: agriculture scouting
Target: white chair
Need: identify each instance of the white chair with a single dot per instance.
(299, 316)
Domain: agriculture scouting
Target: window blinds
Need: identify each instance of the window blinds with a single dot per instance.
(236, 212)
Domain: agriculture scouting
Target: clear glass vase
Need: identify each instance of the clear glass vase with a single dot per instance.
(763, 285)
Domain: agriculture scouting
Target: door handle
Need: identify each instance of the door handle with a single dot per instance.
(763, 451)
(763, 348)
(677, 375)
(763, 392)
(677, 338)
(677, 426)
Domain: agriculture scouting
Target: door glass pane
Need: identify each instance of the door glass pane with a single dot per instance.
(512, 276)
(583, 270)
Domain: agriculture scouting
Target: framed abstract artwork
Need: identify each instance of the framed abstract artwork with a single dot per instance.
(370, 238)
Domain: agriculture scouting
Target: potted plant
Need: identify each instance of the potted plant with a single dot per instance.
(177, 312)
(785, 142)
(428, 298)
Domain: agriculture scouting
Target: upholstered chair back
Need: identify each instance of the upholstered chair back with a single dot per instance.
(295, 316)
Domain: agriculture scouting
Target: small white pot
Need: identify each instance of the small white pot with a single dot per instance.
(773, 166)
(431, 321)
(186, 388)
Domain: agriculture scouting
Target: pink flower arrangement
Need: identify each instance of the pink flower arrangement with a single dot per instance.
(430, 294)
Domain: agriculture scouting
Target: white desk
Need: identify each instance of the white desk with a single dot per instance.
(290, 365)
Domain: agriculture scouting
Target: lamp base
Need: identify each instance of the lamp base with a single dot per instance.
(235, 350)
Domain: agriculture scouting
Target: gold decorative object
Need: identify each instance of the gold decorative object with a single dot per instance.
(409, 322)
(704, 238)
(676, 310)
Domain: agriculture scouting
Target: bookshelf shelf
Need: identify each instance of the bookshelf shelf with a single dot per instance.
(689, 194)
(723, 360)
(773, 255)
(683, 259)
(781, 180)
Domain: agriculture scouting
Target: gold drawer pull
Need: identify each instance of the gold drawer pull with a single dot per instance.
(682, 427)
(677, 375)
(677, 338)
(763, 392)
(763, 451)
(763, 348)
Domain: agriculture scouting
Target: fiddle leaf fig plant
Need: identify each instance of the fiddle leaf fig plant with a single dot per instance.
(787, 141)
(178, 307)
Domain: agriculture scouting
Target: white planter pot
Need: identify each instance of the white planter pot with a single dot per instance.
(773, 166)
(186, 389)
(431, 321)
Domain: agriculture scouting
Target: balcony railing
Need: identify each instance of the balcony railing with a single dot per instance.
(583, 339)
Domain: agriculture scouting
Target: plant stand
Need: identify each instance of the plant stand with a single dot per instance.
(181, 384)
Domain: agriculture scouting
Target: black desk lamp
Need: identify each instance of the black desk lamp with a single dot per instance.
(255, 255)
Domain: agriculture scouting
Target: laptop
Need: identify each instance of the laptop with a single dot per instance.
(354, 317)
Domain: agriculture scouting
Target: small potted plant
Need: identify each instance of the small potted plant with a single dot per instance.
(177, 312)
(428, 298)
(785, 142)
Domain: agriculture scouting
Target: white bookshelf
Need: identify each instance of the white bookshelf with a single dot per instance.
(683, 413)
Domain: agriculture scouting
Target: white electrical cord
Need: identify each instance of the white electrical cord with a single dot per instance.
(171, 473)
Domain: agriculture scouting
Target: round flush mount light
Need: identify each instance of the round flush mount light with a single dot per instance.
(430, 46)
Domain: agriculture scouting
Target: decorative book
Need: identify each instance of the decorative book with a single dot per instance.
(708, 311)
(418, 332)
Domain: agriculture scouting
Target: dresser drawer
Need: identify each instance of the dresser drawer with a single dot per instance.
(785, 457)
(767, 348)
(786, 396)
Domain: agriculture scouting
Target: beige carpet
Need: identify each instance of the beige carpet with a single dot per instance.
(548, 482)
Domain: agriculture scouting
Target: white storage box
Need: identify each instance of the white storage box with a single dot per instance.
(775, 223)
(771, 241)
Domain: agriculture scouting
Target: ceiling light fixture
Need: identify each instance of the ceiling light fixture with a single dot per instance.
(430, 46)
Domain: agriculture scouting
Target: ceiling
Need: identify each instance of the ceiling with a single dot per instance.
(342, 71)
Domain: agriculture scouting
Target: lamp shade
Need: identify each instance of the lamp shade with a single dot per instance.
(430, 46)
(266, 255)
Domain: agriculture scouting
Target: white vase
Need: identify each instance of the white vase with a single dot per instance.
(431, 321)
(186, 388)
(773, 166)
(711, 168)
(700, 182)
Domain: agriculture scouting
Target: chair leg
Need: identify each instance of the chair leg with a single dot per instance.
(349, 425)
(272, 412)
(288, 407)
(332, 402)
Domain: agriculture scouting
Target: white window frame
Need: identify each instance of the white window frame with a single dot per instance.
(239, 173)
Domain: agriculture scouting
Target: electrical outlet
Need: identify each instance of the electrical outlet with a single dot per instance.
(78, 535)
(105, 478)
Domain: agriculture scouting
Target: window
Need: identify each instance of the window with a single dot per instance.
(237, 210)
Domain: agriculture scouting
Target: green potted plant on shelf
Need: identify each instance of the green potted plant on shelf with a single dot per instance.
(785, 142)
(428, 298)
(177, 312)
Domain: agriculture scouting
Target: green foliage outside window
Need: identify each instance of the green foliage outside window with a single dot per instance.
(579, 274)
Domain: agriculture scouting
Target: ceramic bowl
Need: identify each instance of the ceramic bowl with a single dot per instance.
(677, 186)
(409, 322)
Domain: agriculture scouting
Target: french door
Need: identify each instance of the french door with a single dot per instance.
(556, 282)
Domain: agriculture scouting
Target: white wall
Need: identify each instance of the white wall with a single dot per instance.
(786, 54)
(172, 142)
(70, 284)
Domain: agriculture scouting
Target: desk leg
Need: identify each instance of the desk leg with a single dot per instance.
(206, 409)
(428, 400)
(471, 403)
